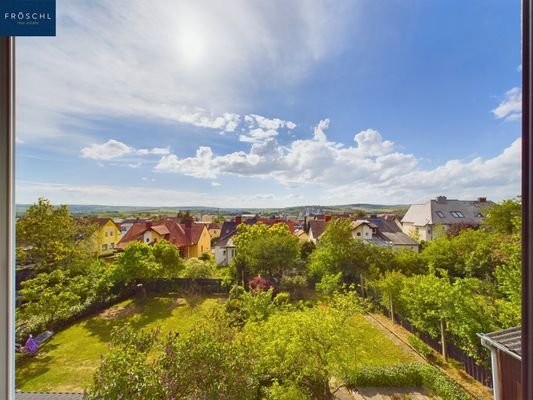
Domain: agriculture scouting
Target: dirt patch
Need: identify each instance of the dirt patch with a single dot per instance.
(119, 312)
(179, 302)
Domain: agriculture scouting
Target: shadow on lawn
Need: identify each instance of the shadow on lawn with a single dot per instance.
(29, 367)
(148, 311)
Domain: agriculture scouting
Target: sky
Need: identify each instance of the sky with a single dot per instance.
(270, 103)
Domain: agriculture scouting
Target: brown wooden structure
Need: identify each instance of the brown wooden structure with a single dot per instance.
(506, 355)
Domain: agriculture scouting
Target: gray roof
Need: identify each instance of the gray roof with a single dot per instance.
(47, 396)
(440, 212)
(508, 340)
(399, 238)
(386, 225)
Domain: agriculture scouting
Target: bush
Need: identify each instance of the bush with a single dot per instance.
(406, 375)
(260, 284)
(295, 285)
(420, 346)
(329, 284)
(282, 299)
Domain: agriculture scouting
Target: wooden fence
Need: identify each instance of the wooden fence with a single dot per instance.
(471, 367)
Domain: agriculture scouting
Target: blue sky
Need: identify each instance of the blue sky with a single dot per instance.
(256, 103)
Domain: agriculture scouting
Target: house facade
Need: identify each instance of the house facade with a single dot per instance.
(422, 221)
(191, 239)
(105, 238)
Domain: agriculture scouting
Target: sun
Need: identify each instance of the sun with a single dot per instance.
(192, 46)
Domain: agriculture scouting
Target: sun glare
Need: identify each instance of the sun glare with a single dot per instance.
(192, 47)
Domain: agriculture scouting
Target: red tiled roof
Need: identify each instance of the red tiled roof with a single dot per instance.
(179, 235)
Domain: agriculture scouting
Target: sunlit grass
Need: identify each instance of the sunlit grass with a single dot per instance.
(67, 362)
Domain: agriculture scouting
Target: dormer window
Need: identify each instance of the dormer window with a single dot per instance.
(440, 214)
(457, 214)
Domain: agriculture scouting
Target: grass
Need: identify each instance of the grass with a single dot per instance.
(67, 362)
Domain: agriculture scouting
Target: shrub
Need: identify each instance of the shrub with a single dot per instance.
(295, 285)
(282, 298)
(260, 284)
(329, 284)
(405, 375)
(420, 346)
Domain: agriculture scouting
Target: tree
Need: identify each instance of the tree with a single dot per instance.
(501, 217)
(304, 349)
(306, 249)
(266, 250)
(50, 237)
(137, 264)
(168, 256)
(390, 285)
(337, 252)
(428, 300)
(49, 297)
(469, 254)
(196, 269)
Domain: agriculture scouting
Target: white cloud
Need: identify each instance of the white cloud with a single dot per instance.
(371, 168)
(184, 62)
(215, 184)
(261, 128)
(319, 133)
(511, 106)
(107, 151)
(113, 149)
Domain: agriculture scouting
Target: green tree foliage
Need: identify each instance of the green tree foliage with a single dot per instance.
(429, 303)
(337, 252)
(49, 237)
(469, 254)
(509, 282)
(390, 286)
(137, 263)
(266, 250)
(410, 262)
(127, 371)
(168, 256)
(196, 268)
(329, 284)
(305, 348)
(502, 217)
(306, 249)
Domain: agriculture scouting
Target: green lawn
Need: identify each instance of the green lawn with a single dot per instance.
(68, 361)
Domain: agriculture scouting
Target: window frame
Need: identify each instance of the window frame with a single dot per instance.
(7, 212)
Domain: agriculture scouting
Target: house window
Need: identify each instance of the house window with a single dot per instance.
(104, 247)
(457, 214)
(112, 245)
(358, 233)
(105, 234)
(440, 214)
(147, 240)
(366, 233)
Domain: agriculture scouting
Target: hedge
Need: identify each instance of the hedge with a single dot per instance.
(409, 375)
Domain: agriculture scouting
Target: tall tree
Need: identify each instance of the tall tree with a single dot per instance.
(267, 250)
(49, 236)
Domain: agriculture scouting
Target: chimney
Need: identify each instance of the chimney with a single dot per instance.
(188, 223)
(441, 199)
(481, 199)
(306, 227)
(238, 219)
(328, 218)
(148, 224)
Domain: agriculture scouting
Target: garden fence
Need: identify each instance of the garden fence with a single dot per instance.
(471, 367)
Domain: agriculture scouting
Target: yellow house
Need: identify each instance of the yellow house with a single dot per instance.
(105, 238)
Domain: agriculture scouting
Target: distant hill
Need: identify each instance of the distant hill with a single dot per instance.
(78, 209)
